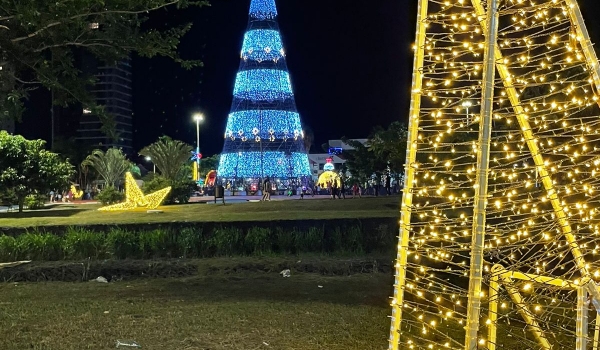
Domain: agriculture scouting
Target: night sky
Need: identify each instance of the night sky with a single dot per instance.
(350, 63)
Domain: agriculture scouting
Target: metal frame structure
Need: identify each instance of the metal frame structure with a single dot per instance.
(586, 288)
(501, 276)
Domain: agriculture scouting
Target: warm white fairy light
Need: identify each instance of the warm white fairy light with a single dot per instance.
(547, 72)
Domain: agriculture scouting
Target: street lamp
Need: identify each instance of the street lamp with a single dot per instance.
(198, 117)
(153, 165)
(467, 105)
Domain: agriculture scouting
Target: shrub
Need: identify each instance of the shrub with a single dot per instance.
(83, 244)
(226, 241)
(110, 195)
(353, 240)
(39, 246)
(180, 189)
(122, 244)
(154, 183)
(258, 240)
(285, 240)
(310, 241)
(190, 242)
(8, 249)
(35, 201)
(153, 244)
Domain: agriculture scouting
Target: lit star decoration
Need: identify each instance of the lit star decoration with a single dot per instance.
(262, 45)
(196, 155)
(265, 124)
(134, 198)
(537, 216)
(263, 85)
(275, 164)
(264, 135)
(263, 9)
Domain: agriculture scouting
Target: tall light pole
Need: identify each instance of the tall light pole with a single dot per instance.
(153, 165)
(198, 117)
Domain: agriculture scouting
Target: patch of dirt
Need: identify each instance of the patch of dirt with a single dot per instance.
(117, 270)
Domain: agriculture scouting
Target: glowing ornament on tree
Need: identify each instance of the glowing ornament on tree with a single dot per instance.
(134, 198)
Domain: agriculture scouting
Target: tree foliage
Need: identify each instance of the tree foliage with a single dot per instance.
(209, 163)
(27, 168)
(389, 145)
(111, 165)
(384, 148)
(169, 156)
(40, 40)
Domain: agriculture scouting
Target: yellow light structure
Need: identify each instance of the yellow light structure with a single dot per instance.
(328, 177)
(77, 194)
(134, 198)
(501, 179)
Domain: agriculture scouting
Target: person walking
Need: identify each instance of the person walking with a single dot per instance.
(388, 184)
(334, 188)
(356, 191)
(342, 191)
(266, 188)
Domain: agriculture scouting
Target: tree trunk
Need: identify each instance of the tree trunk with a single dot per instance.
(21, 204)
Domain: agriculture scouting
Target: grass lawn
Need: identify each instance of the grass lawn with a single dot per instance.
(381, 207)
(229, 303)
(244, 310)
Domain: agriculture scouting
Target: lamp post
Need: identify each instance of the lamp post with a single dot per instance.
(198, 117)
(153, 165)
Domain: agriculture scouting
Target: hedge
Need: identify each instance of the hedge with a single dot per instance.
(78, 243)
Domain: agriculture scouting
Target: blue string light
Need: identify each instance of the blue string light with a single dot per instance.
(273, 164)
(262, 45)
(262, 85)
(263, 9)
(266, 124)
(263, 109)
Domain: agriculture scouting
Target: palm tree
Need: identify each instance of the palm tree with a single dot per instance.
(111, 166)
(168, 155)
(309, 138)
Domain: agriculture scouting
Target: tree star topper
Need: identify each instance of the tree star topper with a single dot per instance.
(134, 198)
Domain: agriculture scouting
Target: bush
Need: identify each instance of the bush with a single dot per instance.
(110, 195)
(122, 244)
(35, 201)
(180, 189)
(8, 249)
(353, 240)
(285, 240)
(190, 242)
(39, 246)
(153, 244)
(258, 241)
(310, 241)
(226, 241)
(83, 244)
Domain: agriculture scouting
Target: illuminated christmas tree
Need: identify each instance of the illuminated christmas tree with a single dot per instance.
(263, 136)
(500, 218)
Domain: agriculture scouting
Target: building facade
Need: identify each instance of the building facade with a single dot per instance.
(113, 91)
(335, 157)
(263, 136)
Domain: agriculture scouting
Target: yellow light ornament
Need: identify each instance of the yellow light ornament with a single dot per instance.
(134, 198)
